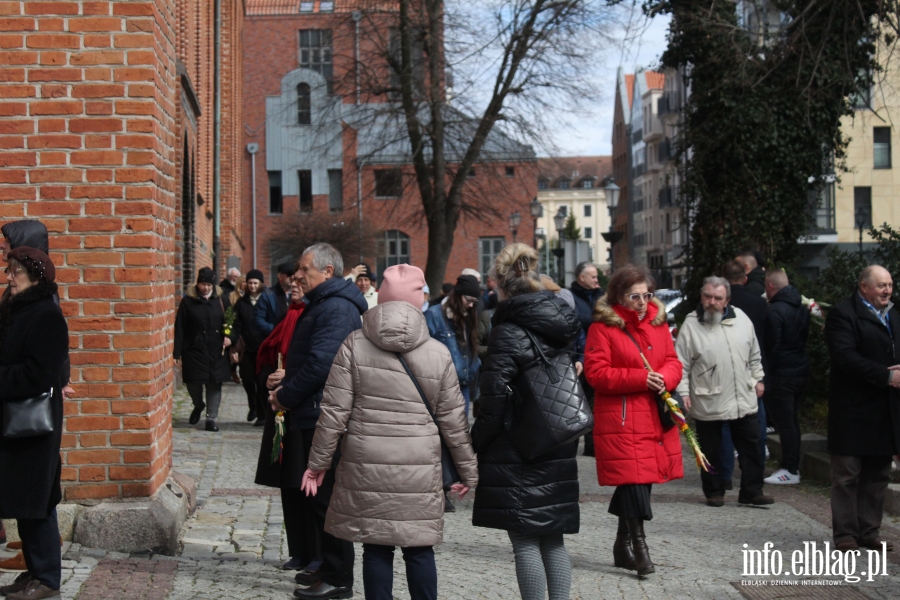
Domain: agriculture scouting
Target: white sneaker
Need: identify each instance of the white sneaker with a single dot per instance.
(768, 454)
(783, 477)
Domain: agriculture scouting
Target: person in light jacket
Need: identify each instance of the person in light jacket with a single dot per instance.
(389, 489)
(535, 502)
(721, 381)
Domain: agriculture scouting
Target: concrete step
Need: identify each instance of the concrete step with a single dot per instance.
(892, 499)
(809, 442)
(816, 465)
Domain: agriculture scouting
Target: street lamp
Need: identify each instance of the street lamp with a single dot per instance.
(537, 211)
(861, 215)
(612, 237)
(515, 220)
(560, 222)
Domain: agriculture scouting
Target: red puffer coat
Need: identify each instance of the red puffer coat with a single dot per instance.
(630, 444)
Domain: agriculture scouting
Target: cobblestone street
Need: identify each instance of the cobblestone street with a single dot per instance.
(234, 543)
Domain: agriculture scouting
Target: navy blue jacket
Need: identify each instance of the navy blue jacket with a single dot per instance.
(585, 300)
(333, 310)
(787, 328)
(269, 311)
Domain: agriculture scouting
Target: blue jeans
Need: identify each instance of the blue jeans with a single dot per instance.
(378, 572)
(727, 453)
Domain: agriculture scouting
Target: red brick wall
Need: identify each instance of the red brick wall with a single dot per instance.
(272, 41)
(87, 141)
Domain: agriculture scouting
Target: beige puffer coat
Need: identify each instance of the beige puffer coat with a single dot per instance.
(388, 486)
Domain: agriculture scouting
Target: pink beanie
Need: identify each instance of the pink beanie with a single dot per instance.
(402, 283)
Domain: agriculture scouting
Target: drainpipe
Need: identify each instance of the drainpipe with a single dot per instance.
(253, 149)
(359, 166)
(217, 144)
(357, 16)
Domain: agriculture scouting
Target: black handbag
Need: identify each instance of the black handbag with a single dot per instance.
(665, 415)
(549, 408)
(448, 467)
(29, 417)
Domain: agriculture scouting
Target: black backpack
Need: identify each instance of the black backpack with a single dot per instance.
(547, 407)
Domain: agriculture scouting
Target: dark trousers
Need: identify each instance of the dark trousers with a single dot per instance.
(40, 548)
(783, 397)
(337, 554)
(745, 434)
(589, 396)
(727, 452)
(858, 485)
(632, 501)
(300, 526)
(378, 572)
(213, 396)
(247, 370)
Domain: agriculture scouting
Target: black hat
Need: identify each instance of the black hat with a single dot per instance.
(206, 275)
(367, 273)
(255, 274)
(467, 285)
(287, 268)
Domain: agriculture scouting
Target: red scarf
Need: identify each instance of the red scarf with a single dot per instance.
(279, 341)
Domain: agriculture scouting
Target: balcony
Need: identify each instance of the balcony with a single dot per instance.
(653, 131)
(665, 151)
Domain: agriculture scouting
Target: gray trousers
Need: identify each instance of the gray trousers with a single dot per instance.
(858, 485)
(213, 397)
(542, 565)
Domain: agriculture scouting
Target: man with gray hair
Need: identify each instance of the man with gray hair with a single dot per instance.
(333, 311)
(587, 291)
(863, 337)
(231, 277)
(721, 382)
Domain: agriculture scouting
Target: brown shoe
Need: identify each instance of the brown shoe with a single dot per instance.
(623, 553)
(35, 590)
(715, 501)
(876, 544)
(16, 563)
(760, 500)
(846, 545)
(14, 545)
(18, 585)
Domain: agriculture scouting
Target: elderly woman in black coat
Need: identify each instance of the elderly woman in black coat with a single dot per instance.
(200, 343)
(34, 346)
(536, 502)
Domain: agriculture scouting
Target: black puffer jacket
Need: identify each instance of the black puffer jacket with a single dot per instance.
(29, 233)
(245, 309)
(786, 330)
(538, 498)
(199, 334)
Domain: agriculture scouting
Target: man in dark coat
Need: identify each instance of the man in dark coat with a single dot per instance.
(586, 290)
(787, 370)
(273, 304)
(334, 307)
(863, 337)
(200, 339)
(757, 310)
(245, 307)
(756, 274)
(227, 285)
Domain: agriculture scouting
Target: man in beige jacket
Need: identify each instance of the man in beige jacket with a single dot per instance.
(721, 383)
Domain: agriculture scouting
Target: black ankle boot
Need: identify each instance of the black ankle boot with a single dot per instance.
(642, 561)
(623, 555)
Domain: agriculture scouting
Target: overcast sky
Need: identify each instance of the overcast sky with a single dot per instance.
(642, 43)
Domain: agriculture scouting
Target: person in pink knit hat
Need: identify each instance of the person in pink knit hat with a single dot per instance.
(389, 483)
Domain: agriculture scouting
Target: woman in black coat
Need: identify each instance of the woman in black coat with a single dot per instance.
(34, 347)
(199, 343)
(535, 502)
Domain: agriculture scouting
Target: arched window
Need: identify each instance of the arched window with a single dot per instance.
(304, 113)
(393, 249)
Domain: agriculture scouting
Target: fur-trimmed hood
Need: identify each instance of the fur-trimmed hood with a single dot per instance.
(604, 313)
(193, 293)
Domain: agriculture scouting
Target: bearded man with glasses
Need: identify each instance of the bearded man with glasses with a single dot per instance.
(721, 383)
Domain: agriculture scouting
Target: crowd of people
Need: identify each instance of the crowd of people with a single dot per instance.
(364, 394)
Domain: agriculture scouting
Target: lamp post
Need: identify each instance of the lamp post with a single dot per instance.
(559, 221)
(861, 215)
(537, 211)
(515, 220)
(612, 203)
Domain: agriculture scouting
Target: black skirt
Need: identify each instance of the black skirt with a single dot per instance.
(632, 501)
(289, 472)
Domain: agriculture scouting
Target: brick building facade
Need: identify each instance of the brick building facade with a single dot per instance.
(324, 162)
(107, 121)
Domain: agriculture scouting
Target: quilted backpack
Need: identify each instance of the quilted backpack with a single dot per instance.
(548, 408)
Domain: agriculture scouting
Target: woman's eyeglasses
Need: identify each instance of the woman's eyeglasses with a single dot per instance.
(635, 297)
(14, 270)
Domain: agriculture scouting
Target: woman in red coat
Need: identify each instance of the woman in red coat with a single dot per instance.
(633, 449)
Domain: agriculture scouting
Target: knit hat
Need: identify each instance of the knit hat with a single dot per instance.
(467, 285)
(402, 283)
(35, 261)
(206, 275)
(255, 274)
(367, 273)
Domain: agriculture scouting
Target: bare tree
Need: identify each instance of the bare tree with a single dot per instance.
(297, 232)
